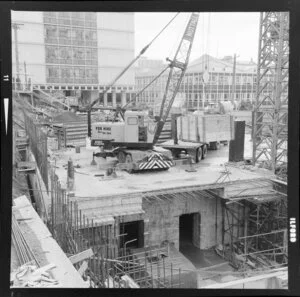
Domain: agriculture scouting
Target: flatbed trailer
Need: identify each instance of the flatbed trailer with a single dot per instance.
(197, 150)
(193, 135)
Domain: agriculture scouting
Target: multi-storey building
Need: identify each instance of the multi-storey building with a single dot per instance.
(217, 87)
(75, 51)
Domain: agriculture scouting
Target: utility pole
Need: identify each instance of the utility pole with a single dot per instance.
(16, 27)
(233, 79)
(25, 71)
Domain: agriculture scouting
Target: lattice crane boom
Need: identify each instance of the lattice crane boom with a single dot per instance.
(177, 70)
(270, 112)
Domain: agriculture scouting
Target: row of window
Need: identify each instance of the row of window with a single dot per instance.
(71, 74)
(68, 14)
(67, 54)
(57, 32)
(207, 96)
(69, 22)
(215, 79)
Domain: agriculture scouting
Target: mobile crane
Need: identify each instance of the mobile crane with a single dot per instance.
(132, 140)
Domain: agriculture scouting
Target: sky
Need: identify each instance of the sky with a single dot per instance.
(218, 34)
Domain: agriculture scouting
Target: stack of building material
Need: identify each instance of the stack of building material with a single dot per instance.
(205, 128)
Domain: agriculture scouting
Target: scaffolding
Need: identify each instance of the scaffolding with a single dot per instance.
(270, 113)
(257, 230)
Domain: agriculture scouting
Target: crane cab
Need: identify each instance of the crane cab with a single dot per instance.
(137, 130)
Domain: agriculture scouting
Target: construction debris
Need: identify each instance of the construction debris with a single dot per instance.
(31, 276)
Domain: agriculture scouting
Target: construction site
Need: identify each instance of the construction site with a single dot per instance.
(124, 196)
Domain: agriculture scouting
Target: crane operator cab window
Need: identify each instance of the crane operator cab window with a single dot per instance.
(142, 129)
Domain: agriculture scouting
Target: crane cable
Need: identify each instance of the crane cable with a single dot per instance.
(141, 91)
(135, 59)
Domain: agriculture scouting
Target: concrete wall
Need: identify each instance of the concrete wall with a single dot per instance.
(162, 220)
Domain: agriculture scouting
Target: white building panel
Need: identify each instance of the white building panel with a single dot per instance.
(30, 53)
(114, 57)
(30, 33)
(116, 21)
(115, 39)
(37, 73)
(106, 75)
(27, 16)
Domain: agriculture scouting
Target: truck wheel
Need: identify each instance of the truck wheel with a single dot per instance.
(128, 160)
(204, 152)
(199, 155)
(121, 157)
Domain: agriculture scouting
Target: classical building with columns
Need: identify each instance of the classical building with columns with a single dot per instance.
(194, 90)
(75, 53)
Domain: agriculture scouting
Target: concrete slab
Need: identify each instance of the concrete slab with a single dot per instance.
(87, 185)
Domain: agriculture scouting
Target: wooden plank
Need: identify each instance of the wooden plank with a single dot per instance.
(81, 256)
(247, 280)
(83, 267)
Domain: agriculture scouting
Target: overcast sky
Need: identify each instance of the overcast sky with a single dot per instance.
(218, 34)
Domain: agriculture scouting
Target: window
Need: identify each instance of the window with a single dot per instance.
(79, 34)
(78, 53)
(64, 33)
(51, 53)
(52, 71)
(66, 72)
(76, 72)
(65, 52)
(132, 121)
(51, 32)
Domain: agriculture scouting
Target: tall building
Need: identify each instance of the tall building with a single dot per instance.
(74, 51)
(217, 86)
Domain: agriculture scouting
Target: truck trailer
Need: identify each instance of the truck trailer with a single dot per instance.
(194, 134)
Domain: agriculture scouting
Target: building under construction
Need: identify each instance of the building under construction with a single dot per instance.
(216, 223)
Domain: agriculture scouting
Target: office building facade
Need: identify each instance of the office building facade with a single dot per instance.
(75, 51)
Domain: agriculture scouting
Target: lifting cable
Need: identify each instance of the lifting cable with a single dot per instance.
(139, 55)
(141, 91)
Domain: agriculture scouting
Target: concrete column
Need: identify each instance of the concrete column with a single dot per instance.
(123, 98)
(105, 99)
(114, 99)
(70, 179)
(146, 232)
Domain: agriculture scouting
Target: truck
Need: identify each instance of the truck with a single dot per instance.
(194, 134)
